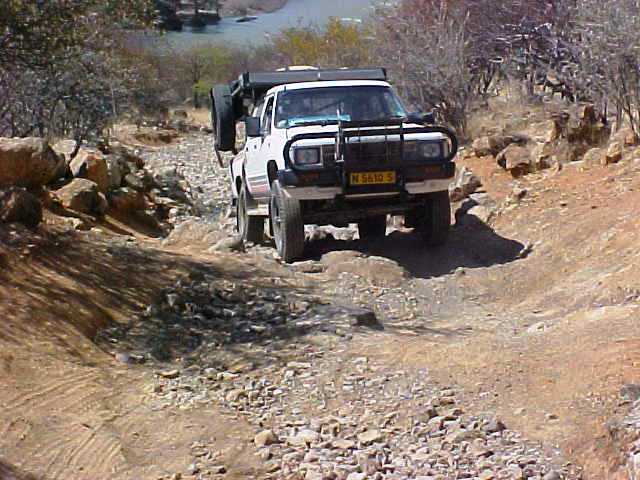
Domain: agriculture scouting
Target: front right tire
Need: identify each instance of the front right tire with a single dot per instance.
(287, 224)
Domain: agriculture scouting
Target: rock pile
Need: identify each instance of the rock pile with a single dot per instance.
(130, 187)
(322, 417)
(569, 136)
(93, 182)
(192, 162)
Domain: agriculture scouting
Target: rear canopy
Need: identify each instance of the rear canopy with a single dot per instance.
(253, 85)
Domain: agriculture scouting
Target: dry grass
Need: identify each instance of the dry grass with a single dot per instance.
(199, 116)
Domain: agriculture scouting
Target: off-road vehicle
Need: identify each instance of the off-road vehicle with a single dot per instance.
(331, 147)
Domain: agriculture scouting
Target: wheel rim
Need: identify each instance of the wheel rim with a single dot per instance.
(276, 223)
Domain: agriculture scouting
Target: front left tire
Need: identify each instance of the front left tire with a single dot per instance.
(287, 224)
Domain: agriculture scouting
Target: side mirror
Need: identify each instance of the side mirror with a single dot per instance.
(252, 125)
(422, 118)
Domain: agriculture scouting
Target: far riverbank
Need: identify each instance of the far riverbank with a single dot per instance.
(258, 31)
(239, 8)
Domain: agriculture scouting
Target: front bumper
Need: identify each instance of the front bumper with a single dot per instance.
(328, 184)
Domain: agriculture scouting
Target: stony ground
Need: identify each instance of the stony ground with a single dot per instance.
(280, 358)
(368, 360)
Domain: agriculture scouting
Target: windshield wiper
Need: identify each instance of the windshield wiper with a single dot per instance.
(324, 123)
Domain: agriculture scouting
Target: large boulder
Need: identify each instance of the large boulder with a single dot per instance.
(18, 205)
(566, 152)
(582, 126)
(614, 153)
(542, 156)
(28, 162)
(378, 271)
(515, 159)
(83, 196)
(625, 136)
(93, 166)
(126, 200)
(478, 207)
(594, 156)
(115, 172)
(491, 145)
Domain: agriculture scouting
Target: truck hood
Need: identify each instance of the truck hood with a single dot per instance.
(293, 131)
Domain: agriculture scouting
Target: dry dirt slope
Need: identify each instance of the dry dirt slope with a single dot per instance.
(70, 410)
(568, 337)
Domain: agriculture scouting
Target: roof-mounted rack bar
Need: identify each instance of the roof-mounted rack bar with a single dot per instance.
(254, 84)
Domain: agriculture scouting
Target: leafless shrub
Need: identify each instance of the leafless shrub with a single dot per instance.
(60, 72)
(607, 36)
(425, 44)
(518, 39)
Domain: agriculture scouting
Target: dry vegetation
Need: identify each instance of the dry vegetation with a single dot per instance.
(443, 54)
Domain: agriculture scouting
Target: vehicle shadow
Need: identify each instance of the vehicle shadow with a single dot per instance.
(472, 244)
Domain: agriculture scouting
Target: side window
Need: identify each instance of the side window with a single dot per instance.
(267, 116)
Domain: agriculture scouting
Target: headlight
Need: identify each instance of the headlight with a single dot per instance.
(307, 156)
(430, 149)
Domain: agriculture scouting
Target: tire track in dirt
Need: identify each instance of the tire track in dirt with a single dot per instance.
(68, 449)
(51, 391)
(66, 437)
(82, 456)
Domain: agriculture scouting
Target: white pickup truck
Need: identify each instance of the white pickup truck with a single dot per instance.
(331, 147)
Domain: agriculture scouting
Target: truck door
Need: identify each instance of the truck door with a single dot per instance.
(257, 153)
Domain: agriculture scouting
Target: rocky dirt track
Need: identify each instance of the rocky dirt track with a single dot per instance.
(481, 359)
(318, 410)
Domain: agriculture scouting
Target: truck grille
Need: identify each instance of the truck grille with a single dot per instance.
(378, 152)
(364, 153)
(329, 155)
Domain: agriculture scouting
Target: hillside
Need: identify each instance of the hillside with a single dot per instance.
(511, 352)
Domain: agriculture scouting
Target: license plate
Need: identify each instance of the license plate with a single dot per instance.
(372, 178)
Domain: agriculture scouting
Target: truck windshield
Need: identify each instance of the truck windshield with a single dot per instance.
(310, 106)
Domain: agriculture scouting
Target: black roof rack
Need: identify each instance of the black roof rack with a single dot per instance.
(254, 84)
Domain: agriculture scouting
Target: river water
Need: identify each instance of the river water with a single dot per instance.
(295, 13)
